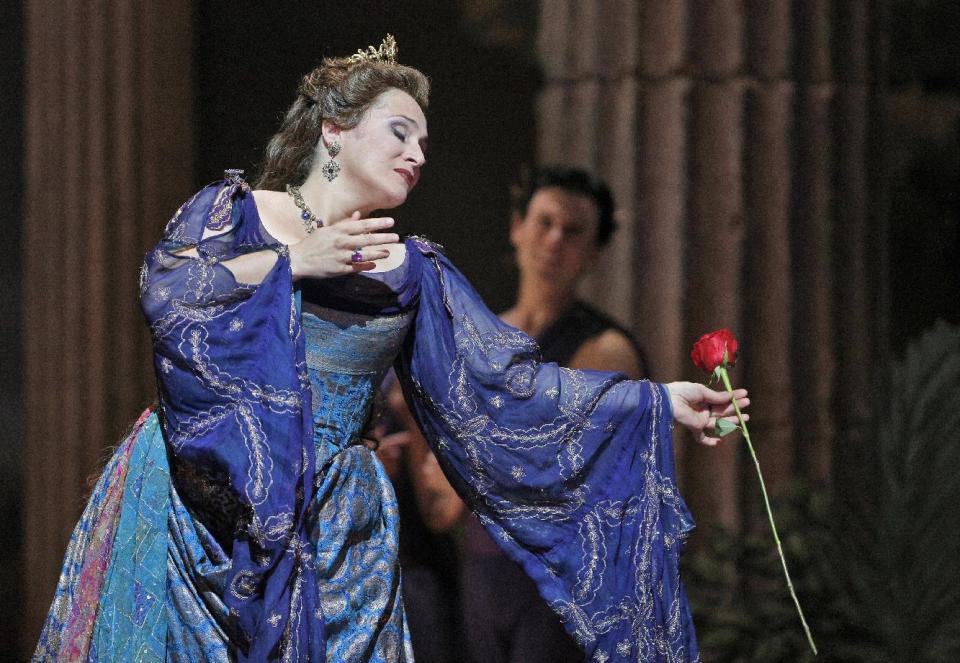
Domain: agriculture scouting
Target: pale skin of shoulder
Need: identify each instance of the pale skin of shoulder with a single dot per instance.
(323, 253)
(608, 351)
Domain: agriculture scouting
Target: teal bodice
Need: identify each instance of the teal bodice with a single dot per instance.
(347, 356)
(355, 532)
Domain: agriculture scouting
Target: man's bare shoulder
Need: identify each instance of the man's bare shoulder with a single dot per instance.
(609, 350)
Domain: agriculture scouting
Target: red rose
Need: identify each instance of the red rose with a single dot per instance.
(708, 352)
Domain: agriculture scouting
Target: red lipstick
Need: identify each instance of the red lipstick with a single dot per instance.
(407, 176)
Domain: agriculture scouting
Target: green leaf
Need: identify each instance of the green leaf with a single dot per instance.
(716, 374)
(724, 427)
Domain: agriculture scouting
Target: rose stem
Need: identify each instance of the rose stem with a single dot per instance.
(766, 500)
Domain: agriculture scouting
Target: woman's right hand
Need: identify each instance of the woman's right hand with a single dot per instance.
(698, 408)
(328, 250)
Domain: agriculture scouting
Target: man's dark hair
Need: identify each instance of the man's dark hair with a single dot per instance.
(572, 180)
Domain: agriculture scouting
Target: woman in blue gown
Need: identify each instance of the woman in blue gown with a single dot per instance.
(244, 518)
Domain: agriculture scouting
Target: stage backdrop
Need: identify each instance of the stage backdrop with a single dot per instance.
(740, 138)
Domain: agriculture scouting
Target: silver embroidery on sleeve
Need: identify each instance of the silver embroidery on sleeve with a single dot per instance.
(509, 360)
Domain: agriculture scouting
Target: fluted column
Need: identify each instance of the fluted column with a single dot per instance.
(108, 159)
(583, 109)
(766, 295)
(555, 24)
(813, 256)
(714, 229)
(616, 143)
(661, 185)
(736, 134)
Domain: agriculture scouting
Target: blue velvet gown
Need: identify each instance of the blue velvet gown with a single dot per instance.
(243, 519)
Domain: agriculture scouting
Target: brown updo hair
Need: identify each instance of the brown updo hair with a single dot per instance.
(339, 90)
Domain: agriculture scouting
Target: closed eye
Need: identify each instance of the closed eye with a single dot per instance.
(399, 130)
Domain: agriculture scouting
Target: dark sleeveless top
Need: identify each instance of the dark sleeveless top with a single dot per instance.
(560, 341)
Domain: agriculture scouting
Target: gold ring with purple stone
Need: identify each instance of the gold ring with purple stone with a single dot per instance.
(356, 256)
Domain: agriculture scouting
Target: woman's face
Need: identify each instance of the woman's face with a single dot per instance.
(382, 156)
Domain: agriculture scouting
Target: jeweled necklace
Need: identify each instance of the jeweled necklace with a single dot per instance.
(310, 220)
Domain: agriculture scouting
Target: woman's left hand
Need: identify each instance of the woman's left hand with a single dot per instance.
(698, 407)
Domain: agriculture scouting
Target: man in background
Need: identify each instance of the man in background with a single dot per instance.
(562, 220)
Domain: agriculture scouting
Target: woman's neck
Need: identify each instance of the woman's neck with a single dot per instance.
(331, 201)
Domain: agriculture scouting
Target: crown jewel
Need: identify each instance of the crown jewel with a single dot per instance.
(386, 53)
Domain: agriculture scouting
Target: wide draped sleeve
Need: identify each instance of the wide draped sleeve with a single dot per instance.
(571, 472)
(235, 407)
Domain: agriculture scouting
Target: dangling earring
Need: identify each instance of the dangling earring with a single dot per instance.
(331, 168)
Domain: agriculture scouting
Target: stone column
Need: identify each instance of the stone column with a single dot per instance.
(766, 296)
(661, 185)
(735, 133)
(108, 159)
(714, 228)
(813, 256)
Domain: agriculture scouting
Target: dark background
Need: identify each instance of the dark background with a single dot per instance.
(249, 59)
(11, 431)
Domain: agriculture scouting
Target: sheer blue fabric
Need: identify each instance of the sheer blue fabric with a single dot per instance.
(278, 530)
(236, 412)
(571, 472)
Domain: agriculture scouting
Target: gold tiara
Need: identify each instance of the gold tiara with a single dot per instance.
(386, 53)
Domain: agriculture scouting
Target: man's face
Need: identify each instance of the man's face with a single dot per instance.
(557, 238)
